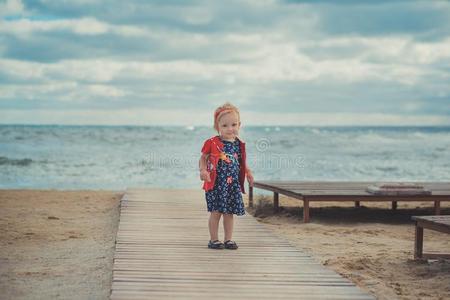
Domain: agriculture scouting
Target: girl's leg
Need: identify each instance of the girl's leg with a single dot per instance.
(213, 225)
(228, 226)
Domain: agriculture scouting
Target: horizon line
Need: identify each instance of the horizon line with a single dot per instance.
(202, 126)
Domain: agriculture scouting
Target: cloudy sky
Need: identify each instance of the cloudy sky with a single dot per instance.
(319, 62)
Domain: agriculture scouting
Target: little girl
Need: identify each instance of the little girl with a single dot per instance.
(223, 169)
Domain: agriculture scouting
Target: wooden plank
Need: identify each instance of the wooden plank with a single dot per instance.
(435, 255)
(437, 185)
(275, 202)
(161, 253)
(227, 294)
(367, 198)
(219, 275)
(418, 242)
(438, 223)
(335, 187)
(306, 210)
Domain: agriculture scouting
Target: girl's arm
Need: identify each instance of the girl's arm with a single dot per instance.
(249, 176)
(204, 174)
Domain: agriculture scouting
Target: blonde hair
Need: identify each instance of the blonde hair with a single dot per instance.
(223, 110)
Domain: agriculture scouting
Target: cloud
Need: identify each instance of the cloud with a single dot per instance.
(11, 7)
(377, 18)
(24, 27)
(163, 84)
(265, 56)
(191, 117)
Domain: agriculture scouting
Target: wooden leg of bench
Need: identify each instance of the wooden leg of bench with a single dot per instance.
(357, 204)
(275, 202)
(437, 207)
(250, 196)
(418, 242)
(305, 211)
(394, 205)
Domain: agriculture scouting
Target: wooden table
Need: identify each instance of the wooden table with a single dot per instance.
(308, 191)
(437, 223)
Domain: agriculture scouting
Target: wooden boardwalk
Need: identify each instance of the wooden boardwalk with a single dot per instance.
(161, 253)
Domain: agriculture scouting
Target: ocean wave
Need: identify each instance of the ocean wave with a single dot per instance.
(117, 157)
(387, 169)
(15, 162)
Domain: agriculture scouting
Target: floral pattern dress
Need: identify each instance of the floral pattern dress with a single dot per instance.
(226, 197)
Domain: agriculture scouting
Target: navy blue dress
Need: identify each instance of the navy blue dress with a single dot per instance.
(226, 197)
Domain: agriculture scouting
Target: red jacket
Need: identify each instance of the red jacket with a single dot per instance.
(214, 146)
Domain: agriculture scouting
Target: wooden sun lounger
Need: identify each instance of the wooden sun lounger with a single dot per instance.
(437, 223)
(309, 191)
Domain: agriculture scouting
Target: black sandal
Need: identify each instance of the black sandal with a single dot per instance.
(231, 245)
(215, 244)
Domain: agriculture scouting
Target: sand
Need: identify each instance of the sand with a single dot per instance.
(57, 244)
(370, 245)
(60, 244)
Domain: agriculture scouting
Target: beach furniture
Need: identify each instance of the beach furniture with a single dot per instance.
(437, 223)
(309, 191)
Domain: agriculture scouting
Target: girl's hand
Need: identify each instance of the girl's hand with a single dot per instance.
(250, 178)
(204, 175)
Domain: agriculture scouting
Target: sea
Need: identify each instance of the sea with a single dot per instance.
(67, 157)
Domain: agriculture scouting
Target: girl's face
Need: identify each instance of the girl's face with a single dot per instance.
(229, 125)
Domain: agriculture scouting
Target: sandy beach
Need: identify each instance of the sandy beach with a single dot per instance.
(372, 245)
(60, 244)
(57, 244)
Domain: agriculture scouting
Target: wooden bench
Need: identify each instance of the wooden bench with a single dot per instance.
(437, 223)
(308, 191)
